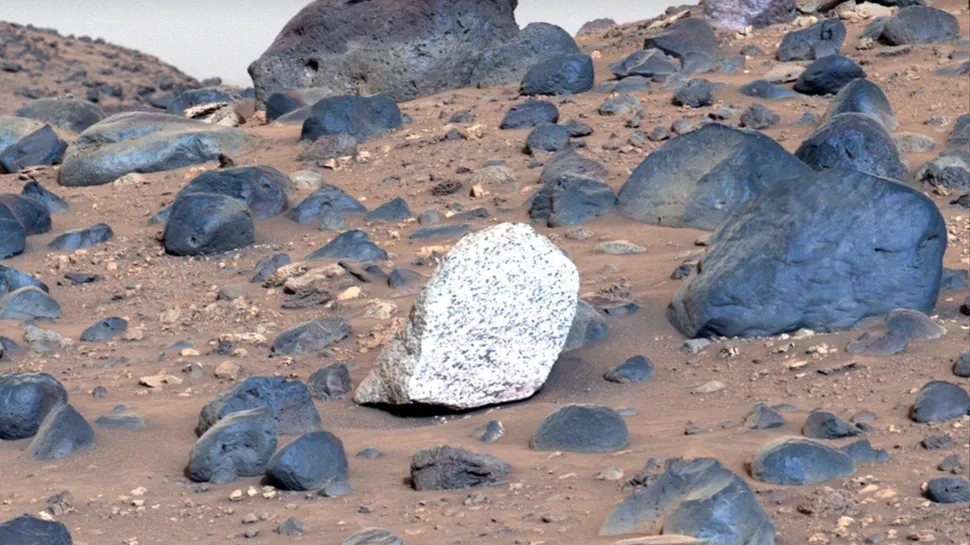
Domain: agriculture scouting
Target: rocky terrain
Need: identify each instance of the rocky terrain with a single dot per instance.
(664, 284)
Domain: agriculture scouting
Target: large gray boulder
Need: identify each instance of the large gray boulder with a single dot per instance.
(144, 142)
(13, 129)
(404, 49)
(739, 14)
(487, 327)
(863, 97)
(68, 113)
(289, 400)
(239, 445)
(854, 142)
(821, 251)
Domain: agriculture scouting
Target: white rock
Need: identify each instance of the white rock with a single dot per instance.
(487, 328)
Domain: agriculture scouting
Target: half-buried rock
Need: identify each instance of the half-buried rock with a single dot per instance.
(855, 142)
(41, 147)
(206, 223)
(328, 199)
(144, 142)
(350, 246)
(862, 96)
(13, 236)
(795, 461)
(698, 179)
(72, 114)
(696, 498)
(54, 203)
(573, 191)
(28, 303)
(360, 117)
(312, 336)
(559, 74)
(30, 530)
(487, 327)
(822, 252)
(25, 400)
(62, 432)
(939, 401)
(587, 429)
(289, 401)
(309, 463)
(239, 445)
(82, 238)
(447, 468)
(262, 188)
(105, 330)
(35, 218)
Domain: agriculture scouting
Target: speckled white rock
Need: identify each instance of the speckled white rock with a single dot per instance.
(487, 328)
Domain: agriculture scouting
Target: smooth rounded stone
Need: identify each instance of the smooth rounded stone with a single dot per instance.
(696, 94)
(558, 75)
(261, 188)
(920, 25)
(104, 330)
(878, 345)
(280, 104)
(740, 14)
(30, 530)
(698, 179)
(402, 278)
(145, 142)
(914, 143)
(52, 202)
(854, 142)
(330, 383)
(41, 147)
(573, 191)
(29, 303)
(586, 429)
(619, 105)
(948, 490)
(961, 367)
(502, 302)
(646, 63)
(82, 238)
(25, 401)
(309, 463)
(36, 219)
(266, 267)
(796, 461)
(360, 117)
(312, 336)
(828, 75)
(770, 251)
(121, 418)
(331, 146)
(531, 113)
(444, 231)
(634, 370)
(204, 95)
(913, 325)
(948, 171)
(594, 26)
(957, 69)
(822, 39)
(939, 401)
(937, 442)
(239, 445)
(62, 432)
(14, 128)
(862, 452)
(489, 432)
(206, 223)
(350, 246)
(627, 85)
(11, 279)
(825, 425)
(766, 90)
(13, 236)
(588, 326)
(447, 468)
(548, 138)
(327, 199)
(697, 498)
(374, 536)
(335, 489)
(691, 36)
(863, 97)
(393, 211)
(577, 128)
(808, 118)
(292, 526)
(763, 417)
(759, 117)
(289, 401)
(71, 114)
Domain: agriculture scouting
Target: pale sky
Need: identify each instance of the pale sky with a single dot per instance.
(206, 38)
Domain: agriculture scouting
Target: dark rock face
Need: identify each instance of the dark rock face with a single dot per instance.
(25, 400)
(11, 280)
(327, 199)
(573, 191)
(948, 490)
(920, 25)
(13, 236)
(739, 14)
(204, 95)
(374, 536)
(310, 337)
(582, 428)
(634, 370)
(547, 138)
(853, 142)
(359, 117)
(697, 498)
(960, 137)
(239, 445)
(864, 97)
(825, 425)
(771, 250)
(289, 401)
(698, 179)
(395, 210)
(32, 215)
(763, 417)
(939, 401)
(104, 330)
(144, 142)
(52, 202)
(795, 461)
(62, 432)
(950, 171)
(350, 246)
(766, 90)
(862, 452)
(330, 383)
(819, 40)
(559, 75)
(913, 325)
(309, 463)
(828, 75)
(588, 326)
(261, 188)
(121, 418)
(29, 530)
(447, 468)
(404, 50)
(68, 113)
(696, 94)
(401, 278)
(685, 39)
(530, 114)
(645, 62)
(331, 146)
(282, 103)
(28, 303)
(759, 117)
(41, 147)
(206, 223)
(961, 367)
(267, 266)
(82, 238)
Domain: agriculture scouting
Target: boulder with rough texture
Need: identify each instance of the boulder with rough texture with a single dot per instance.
(759, 117)
(30, 530)
(34, 217)
(25, 400)
(207, 223)
(795, 461)
(62, 432)
(939, 401)
(239, 445)
(54, 203)
(330, 383)
(694, 498)
(828, 75)
(691, 40)
(359, 117)
(587, 429)
(68, 113)
(15, 128)
(547, 138)
(404, 50)
(447, 468)
(74, 239)
(201, 96)
(328, 199)
(825, 425)
(289, 401)
(573, 191)
(13, 236)
(374, 536)
(558, 75)
(144, 142)
(948, 490)
(312, 336)
(959, 139)
(864, 97)
(698, 179)
(740, 14)
(531, 113)
(588, 326)
(309, 463)
(697, 93)
(29, 303)
(501, 303)
(41, 147)
(104, 330)
(261, 188)
(853, 142)
(920, 25)
(644, 62)
(822, 39)
(822, 252)
(350, 246)
(948, 171)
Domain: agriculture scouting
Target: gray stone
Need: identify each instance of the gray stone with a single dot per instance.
(25, 401)
(939, 401)
(262, 188)
(588, 326)
(289, 402)
(239, 445)
(763, 417)
(862, 452)
(822, 39)
(558, 75)
(759, 117)
(828, 75)
(330, 383)
(447, 468)
(29, 530)
(825, 425)
(795, 461)
(104, 330)
(634, 370)
(948, 171)
(71, 114)
(350, 246)
(374, 536)
(207, 223)
(920, 25)
(948, 490)
(696, 94)
(961, 367)
(584, 429)
(393, 211)
(82, 238)
(740, 14)
(327, 199)
(531, 113)
(863, 97)
(28, 303)
(63, 432)
(312, 336)
(309, 463)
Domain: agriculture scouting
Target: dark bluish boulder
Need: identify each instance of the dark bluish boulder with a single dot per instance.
(29, 303)
(530, 114)
(393, 211)
(447, 468)
(82, 238)
(822, 39)
(684, 39)
(261, 188)
(309, 463)
(25, 400)
(13, 236)
(763, 417)
(32, 215)
(30, 530)
(634, 370)
(374, 536)
(327, 199)
(828, 75)
(948, 490)
(289, 401)
(203, 95)
(312, 336)
(824, 244)
(696, 94)
(62, 432)
(360, 117)
(766, 90)
(350, 246)
(825, 425)
(68, 113)
(959, 139)
(698, 179)
(41, 147)
(573, 191)
(206, 223)
(282, 103)
(920, 25)
(853, 142)
(239, 445)
(584, 429)
(759, 117)
(794, 461)
(547, 138)
(939, 401)
(105, 330)
(49, 200)
(121, 418)
(961, 367)
(559, 75)
(330, 383)
(646, 63)
(267, 266)
(443, 231)
(11, 279)
(402, 278)
(864, 97)
(862, 452)
(948, 171)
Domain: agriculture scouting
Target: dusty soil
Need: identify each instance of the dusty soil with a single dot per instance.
(550, 499)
